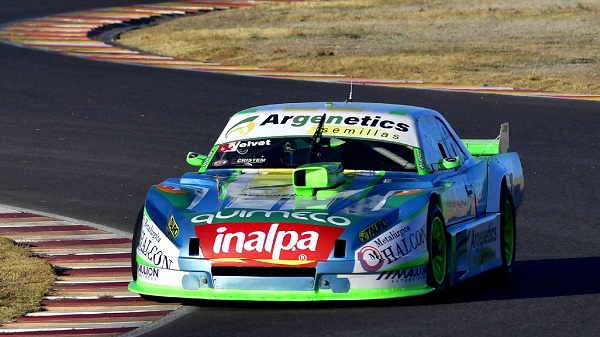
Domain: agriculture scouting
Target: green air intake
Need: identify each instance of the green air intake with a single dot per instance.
(310, 178)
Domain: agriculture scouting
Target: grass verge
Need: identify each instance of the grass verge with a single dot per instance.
(539, 44)
(24, 280)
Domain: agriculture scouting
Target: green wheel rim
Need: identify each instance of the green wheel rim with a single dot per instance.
(438, 250)
(509, 233)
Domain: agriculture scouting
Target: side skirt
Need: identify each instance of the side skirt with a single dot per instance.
(474, 247)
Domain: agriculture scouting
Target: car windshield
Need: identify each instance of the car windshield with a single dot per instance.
(292, 152)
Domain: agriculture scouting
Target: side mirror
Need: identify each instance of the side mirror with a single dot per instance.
(195, 159)
(449, 163)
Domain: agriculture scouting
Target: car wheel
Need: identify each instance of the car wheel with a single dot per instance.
(508, 233)
(437, 245)
(135, 241)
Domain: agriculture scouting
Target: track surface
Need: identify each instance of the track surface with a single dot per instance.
(86, 139)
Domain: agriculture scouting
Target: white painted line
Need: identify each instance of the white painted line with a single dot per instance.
(97, 252)
(174, 315)
(103, 51)
(89, 265)
(74, 326)
(92, 312)
(56, 252)
(188, 63)
(92, 297)
(134, 57)
(67, 43)
(121, 233)
(90, 281)
(37, 223)
(78, 265)
(45, 238)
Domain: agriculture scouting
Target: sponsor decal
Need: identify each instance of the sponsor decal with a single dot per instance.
(242, 146)
(147, 272)
(372, 230)
(220, 162)
(370, 258)
(404, 246)
(271, 241)
(209, 158)
(241, 216)
(172, 228)
(357, 131)
(148, 247)
(487, 254)
(241, 128)
(483, 238)
(244, 161)
(149, 230)
(267, 241)
(366, 121)
(399, 244)
(405, 275)
(391, 235)
(420, 160)
(228, 147)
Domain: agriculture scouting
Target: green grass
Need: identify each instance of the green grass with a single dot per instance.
(24, 280)
(540, 44)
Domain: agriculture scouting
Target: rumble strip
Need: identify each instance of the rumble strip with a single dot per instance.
(90, 296)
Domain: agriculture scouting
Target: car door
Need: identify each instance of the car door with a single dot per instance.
(457, 193)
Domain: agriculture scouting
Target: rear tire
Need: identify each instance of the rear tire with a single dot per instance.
(508, 233)
(437, 246)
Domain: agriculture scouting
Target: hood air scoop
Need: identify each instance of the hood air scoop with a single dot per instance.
(318, 179)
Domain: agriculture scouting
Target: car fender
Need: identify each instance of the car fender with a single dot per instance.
(504, 170)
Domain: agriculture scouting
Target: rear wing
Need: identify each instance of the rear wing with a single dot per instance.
(489, 147)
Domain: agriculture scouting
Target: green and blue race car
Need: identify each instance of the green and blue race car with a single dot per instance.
(330, 201)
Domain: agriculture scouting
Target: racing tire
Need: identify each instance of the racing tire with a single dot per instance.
(508, 233)
(437, 246)
(135, 241)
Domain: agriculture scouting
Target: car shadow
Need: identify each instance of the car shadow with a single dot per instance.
(534, 279)
(530, 279)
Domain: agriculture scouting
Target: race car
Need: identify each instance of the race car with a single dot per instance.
(330, 201)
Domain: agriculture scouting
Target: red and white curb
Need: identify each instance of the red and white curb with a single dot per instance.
(93, 267)
(68, 34)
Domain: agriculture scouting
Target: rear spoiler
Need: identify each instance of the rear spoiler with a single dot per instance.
(489, 147)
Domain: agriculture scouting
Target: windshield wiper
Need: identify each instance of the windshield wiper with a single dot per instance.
(316, 140)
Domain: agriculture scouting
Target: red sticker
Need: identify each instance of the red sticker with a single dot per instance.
(267, 241)
(228, 147)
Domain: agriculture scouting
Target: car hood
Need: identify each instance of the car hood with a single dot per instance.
(256, 214)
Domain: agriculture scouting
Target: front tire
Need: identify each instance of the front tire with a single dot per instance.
(437, 246)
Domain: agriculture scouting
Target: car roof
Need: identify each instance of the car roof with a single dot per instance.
(414, 112)
(374, 121)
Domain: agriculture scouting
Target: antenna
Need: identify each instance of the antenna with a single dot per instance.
(349, 99)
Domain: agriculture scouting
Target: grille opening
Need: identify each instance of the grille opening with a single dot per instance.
(194, 246)
(264, 271)
(339, 249)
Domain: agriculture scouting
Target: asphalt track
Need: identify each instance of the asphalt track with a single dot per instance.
(86, 139)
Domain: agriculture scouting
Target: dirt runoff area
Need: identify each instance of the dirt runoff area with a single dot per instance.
(548, 45)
